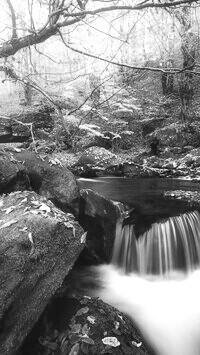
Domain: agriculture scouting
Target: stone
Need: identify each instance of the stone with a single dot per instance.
(55, 182)
(84, 323)
(98, 216)
(39, 245)
(123, 113)
(148, 125)
(97, 156)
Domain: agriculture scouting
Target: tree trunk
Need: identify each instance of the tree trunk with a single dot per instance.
(168, 80)
(186, 85)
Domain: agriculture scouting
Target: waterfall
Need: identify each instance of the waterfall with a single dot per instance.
(165, 309)
(167, 246)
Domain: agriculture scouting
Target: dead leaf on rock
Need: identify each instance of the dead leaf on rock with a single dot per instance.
(8, 224)
(81, 311)
(64, 347)
(136, 344)
(87, 340)
(111, 341)
(76, 328)
(75, 349)
(91, 319)
(45, 208)
(85, 329)
(83, 238)
(30, 237)
(9, 209)
(23, 229)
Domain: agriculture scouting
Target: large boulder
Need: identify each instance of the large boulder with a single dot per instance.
(57, 183)
(148, 125)
(39, 245)
(16, 127)
(178, 134)
(97, 156)
(84, 325)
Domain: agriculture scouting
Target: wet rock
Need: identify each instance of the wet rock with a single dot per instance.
(39, 245)
(98, 216)
(86, 325)
(97, 156)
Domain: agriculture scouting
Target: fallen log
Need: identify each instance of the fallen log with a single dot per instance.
(38, 246)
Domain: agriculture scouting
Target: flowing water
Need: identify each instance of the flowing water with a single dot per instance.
(155, 279)
(167, 246)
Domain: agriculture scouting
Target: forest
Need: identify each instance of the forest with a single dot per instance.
(90, 89)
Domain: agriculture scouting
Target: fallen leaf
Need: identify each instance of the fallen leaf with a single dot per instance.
(136, 344)
(23, 229)
(8, 224)
(84, 348)
(75, 349)
(45, 208)
(64, 346)
(87, 340)
(116, 324)
(83, 238)
(81, 311)
(91, 319)
(9, 209)
(111, 341)
(52, 346)
(85, 329)
(30, 237)
(76, 328)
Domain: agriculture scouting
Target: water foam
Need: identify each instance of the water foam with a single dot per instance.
(167, 312)
(165, 305)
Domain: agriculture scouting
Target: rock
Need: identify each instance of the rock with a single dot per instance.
(148, 125)
(169, 164)
(56, 183)
(39, 245)
(133, 170)
(98, 216)
(196, 161)
(176, 150)
(178, 134)
(97, 156)
(40, 117)
(97, 140)
(13, 177)
(11, 131)
(84, 324)
(128, 139)
(123, 113)
(187, 148)
(195, 152)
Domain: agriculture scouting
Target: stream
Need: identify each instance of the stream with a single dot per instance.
(165, 306)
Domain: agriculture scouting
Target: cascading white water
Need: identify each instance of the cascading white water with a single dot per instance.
(167, 246)
(165, 309)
